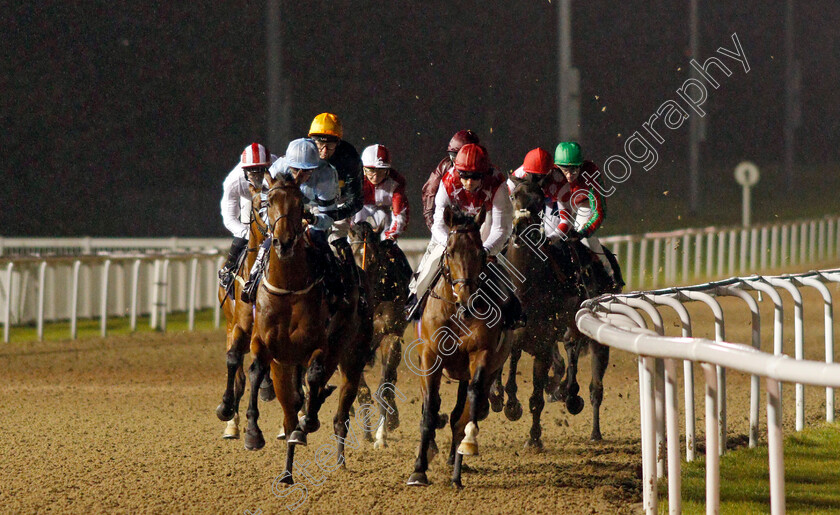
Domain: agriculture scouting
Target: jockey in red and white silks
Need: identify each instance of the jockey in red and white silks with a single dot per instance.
(471, 185)
(384, 193)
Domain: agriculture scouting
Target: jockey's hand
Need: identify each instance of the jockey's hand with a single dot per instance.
(573, 235)
(308, 216)
(388, 243)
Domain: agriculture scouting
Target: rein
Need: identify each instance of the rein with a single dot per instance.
(446, 273)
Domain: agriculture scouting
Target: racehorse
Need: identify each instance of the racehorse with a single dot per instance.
(460, 331)
(239, 320)
(547, 303)
(293, 331)
(388, 275)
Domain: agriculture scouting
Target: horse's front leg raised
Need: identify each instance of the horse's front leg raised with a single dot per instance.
(513, 408)
(237, 346)
(321, 368)
(574, 402)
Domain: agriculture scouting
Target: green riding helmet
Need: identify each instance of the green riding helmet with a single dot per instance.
(568, 154)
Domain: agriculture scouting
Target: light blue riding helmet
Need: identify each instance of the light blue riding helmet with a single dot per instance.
(302, 153)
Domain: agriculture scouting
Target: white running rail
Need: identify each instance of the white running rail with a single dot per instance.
(614, 321)
(33, 292)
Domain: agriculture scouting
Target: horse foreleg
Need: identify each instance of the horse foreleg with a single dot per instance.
(600, 361)
(457, 412)
(232, 427)
(392, 354)
(574, 402)
(513, 408)
(459, 420)
(477, 398)
(497, 393)
(556, 387)
(431, 405)
(286, 391)
(237, 346)
(351, 375)
(259, 368)
(318, 372)
(536, 403)
(364, 398)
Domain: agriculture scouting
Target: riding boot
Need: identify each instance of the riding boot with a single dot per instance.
(249, 291)
(229, 268)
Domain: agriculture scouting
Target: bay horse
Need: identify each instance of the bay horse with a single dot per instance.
(571, 279)
(294, 333)
(548, 304)
(239, 320)
(458, 336)
(388, 276)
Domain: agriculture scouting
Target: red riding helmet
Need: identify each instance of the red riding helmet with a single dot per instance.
(460, 139)
(538, 161)
(472, 158)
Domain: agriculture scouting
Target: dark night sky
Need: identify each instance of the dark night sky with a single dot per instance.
(123, 118)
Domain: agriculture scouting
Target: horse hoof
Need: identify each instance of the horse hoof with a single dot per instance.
(297, 437)
(281, 435)
(267, 393)
(513, 410)
(310, 424)
(574, 404)
(368, 436)
(380, 444)
(457, 485)
(224, 412)
(254, 440)
(393, 422)
(287, 479)
(534, 445)
(231, 431)
(595, 436)
(418, 479)
(443, 418)
(497, 403)
(468, 449)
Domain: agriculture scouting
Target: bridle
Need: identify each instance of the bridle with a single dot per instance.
(298, 231)
(446, 272)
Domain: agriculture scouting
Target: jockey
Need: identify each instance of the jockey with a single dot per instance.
(384, 193)
(582, 209)
(470, 185)
(244, 181)
(319, 185)
(327, 132)
(430, 189)
(539, 166)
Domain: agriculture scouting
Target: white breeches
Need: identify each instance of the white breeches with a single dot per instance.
(422, 278)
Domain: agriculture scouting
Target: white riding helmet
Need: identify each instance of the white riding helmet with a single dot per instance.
(255, 155)
(376, 156)
(302, 154)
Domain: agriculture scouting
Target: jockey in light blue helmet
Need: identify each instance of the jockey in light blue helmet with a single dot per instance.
(319, 184)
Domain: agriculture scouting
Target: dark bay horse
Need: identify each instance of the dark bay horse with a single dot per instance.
(549, 304)
(388, 275)
(239, 320)
(294, 333)
(570, 278)
(461, 332)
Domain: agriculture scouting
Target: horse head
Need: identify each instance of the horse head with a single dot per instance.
(464, 257)
(365, 242)
(528, 204)
(285, 215)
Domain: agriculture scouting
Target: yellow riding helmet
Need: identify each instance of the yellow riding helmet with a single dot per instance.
(326, 124)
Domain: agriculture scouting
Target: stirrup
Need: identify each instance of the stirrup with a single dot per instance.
(249, 291)
(225, 278)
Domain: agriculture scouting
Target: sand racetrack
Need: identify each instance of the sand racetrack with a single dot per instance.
(126, 424)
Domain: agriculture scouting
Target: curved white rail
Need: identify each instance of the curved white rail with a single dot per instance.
(598, 318)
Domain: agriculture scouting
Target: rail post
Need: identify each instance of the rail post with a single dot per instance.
(103, 322)
(74, 300)
(42, 283)
(7, 311)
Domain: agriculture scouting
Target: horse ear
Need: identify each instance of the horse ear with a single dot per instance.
(270, 180)
(448, 216)
(479, 218)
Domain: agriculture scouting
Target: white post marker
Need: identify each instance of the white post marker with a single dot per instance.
(746, 174)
